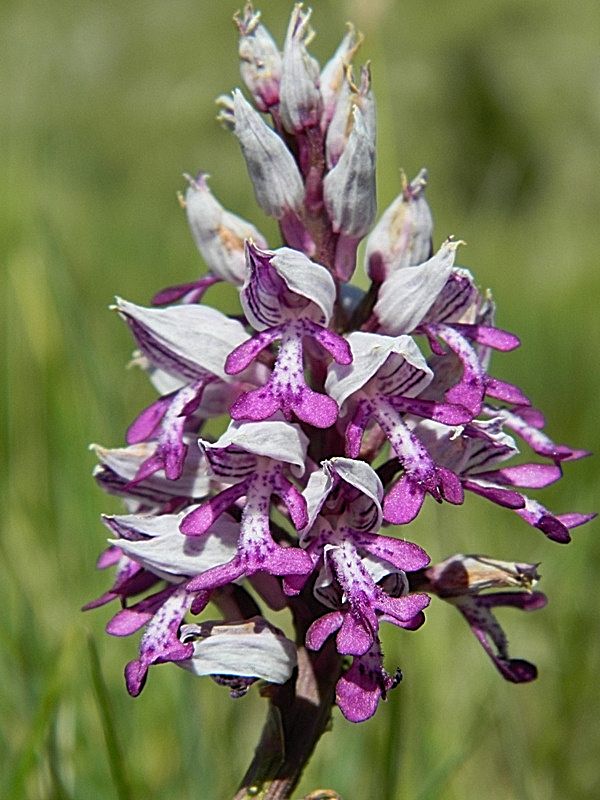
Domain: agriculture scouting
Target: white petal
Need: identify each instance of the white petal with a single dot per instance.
(196, 335)
(407, 294)
(274, 439)
(125, 461)
(306, 278)
(370, 351)
(219, 234)
(316, 492)
(360, 475)
(170, 553)
(251, 649)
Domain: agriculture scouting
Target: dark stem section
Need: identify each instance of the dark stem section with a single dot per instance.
(299, 713)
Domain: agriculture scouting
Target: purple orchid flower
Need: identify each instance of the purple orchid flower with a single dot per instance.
(251, 457)
(289, 298)
(461, 579)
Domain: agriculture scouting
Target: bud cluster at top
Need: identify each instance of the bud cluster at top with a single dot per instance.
(315, 382)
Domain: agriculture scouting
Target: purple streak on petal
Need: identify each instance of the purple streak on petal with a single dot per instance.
(335, 344)
(502, 497)
(316, 409)
(322, 628)
(528, 476)
(134, 580)
(142, 428)
(489, 336)
(187, 292)
(198, 522)
(244, 354)
(255, 406)
(151, 465)
(274, 560)
(403, 501)
(539, 517)
(356, 428)
(502, 390)
(294, 501)
(218, 576)
(531, 416)
(469, 391)
(439, 412)
(525, 601)
(285, 561)
(105, 598)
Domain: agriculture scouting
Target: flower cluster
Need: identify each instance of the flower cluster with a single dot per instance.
(316, 380)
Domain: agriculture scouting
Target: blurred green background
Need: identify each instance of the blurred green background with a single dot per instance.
(105, 104)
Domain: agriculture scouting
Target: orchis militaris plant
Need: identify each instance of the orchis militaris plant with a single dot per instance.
(315, 381)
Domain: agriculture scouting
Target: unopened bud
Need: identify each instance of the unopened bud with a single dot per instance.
(402, 237)
(334, 72)
(300, 97)
(276, 179)
(350, 96)
(349, 189)
(219, 234)
(260, 59)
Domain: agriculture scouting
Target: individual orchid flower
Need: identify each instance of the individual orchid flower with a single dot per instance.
(460, 580)
(276, 179)
(349, 193)
(219, 236)
(251, 457)
(475, 454)
(157, 544)
(444, 304)
(344, 502)
(289, 298)
(383, 383)
(119, 466)
(351, 96)
(197, 360)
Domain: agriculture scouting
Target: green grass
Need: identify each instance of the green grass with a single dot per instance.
(105, 104)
